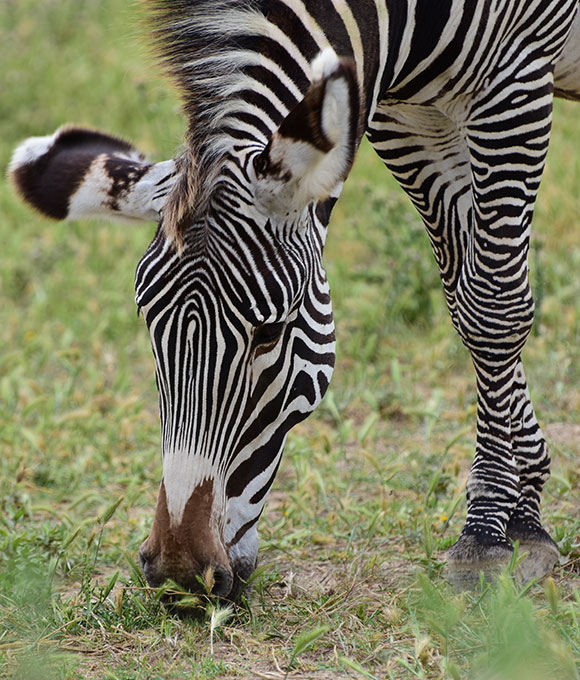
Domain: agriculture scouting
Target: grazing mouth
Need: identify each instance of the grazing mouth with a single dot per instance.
(213, 580)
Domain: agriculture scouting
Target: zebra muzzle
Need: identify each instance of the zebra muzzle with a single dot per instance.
(190, 554)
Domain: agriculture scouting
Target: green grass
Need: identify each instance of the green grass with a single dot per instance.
(370, 492)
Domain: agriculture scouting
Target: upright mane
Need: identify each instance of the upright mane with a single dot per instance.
(216, 51)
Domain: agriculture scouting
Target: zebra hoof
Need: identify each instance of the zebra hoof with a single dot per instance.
(468, 559)
(539, 552)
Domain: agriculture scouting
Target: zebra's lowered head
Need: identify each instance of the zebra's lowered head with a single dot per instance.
(236, 300)
(242, 332)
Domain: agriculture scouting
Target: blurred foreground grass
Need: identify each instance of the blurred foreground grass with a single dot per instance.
(371, 489)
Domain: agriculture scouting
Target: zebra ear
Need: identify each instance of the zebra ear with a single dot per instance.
(77, 172)
(313, 149)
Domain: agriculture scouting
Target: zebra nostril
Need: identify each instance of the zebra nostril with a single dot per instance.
(223, 582)
(152, 569)
(148, 566)
(144, 560)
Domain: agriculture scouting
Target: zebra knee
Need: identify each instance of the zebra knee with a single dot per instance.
(493, 321)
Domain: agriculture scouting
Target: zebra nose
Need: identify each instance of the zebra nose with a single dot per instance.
(217, 579)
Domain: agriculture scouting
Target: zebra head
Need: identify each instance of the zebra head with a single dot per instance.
(235, 298)
(242, 333)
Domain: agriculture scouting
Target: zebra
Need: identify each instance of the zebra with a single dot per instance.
(456, 98)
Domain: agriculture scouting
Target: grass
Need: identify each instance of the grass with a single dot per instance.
(371, 489)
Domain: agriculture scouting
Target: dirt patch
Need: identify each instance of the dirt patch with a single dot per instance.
(321, 578)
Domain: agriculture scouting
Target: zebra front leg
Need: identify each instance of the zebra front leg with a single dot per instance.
(428, 154)
(531, 463)
(493, 486)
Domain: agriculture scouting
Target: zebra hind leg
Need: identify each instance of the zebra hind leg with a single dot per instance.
(533, 462)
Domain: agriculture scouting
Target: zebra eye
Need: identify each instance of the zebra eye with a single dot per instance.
(268, 333)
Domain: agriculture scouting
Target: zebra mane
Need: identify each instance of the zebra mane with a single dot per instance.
(204, 46)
